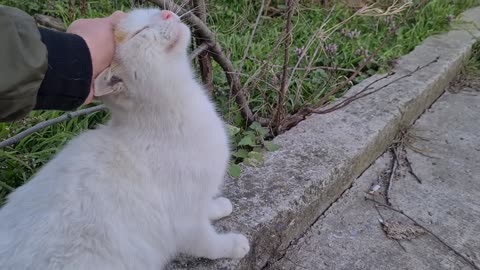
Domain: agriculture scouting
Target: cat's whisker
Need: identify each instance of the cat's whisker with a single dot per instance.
(184, 3)
(186, 13)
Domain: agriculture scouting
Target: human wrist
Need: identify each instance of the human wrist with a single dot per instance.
(66, 84)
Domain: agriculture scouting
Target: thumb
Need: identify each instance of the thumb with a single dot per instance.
(116, 17)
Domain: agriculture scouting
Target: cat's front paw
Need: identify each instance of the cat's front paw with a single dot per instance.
(219, 208)
(241, 246)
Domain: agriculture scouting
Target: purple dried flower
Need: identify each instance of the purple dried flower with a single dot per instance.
(451, 18)
(299, 51)
(389, 19)
(354, 34)
(331, 49)
(392, 27)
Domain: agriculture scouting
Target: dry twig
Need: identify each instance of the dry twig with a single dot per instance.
(50, 122)
(393, 171)
(410, 169)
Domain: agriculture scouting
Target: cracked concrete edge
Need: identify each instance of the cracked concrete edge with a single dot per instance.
(275, 204)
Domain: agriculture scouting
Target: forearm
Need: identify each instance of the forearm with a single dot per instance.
(40, 68)
(23, 63)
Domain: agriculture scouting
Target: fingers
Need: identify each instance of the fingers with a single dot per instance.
(117, 16)
(90, 96)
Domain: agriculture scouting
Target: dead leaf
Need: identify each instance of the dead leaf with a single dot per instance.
(400, 231)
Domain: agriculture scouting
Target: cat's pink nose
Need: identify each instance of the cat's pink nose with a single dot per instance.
(166, 15)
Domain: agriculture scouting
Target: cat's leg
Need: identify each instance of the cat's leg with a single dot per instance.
(219, 207)
(203, 241)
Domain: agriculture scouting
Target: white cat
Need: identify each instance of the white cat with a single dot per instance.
(137, 191)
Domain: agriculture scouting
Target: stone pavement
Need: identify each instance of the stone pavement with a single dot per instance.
(444, 152)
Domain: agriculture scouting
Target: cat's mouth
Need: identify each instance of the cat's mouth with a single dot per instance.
(139, 31)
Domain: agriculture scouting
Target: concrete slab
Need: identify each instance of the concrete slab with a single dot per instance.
(447, 202)
(275, 204)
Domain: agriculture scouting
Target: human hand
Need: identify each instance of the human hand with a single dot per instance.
(98, 34)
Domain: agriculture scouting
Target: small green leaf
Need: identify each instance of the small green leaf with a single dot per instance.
(247, 140)
(254, 159)
(258, 128)
(263, 131)
(234, 170)
(232, 130)
(255, 126)
(257, 149)
(271, 146)
(241, 153)
(256, 155)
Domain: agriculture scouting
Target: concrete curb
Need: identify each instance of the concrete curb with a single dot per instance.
(275, 204)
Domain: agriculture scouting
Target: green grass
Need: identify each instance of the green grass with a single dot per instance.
(232, 21)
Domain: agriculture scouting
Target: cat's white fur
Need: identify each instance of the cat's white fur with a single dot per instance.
(137, 191)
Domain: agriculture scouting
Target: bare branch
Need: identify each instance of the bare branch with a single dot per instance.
(204, 60)
(280, 110)
(50, 122)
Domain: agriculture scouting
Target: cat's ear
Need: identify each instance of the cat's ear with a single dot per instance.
(108, 82)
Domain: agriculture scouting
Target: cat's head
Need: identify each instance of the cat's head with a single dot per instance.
(151, 46)
(148, 31)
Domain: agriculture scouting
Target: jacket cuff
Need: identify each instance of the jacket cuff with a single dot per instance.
(67, 82)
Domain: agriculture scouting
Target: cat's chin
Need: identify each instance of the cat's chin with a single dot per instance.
(182, 38)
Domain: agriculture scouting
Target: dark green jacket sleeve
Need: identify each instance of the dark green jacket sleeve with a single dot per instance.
(40, 68)
(23, 63)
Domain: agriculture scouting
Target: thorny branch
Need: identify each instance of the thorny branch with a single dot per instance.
(204, 60)
(280, 110)
(470, 262)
